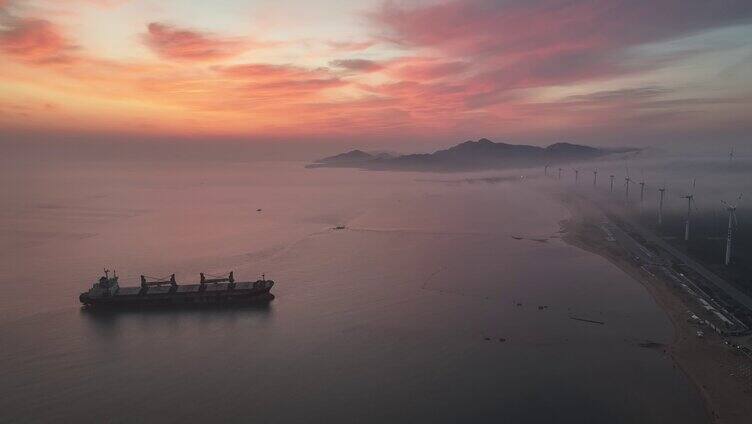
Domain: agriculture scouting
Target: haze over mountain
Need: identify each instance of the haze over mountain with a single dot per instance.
(469, 156)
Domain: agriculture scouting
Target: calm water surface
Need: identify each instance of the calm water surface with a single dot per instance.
(384, 321)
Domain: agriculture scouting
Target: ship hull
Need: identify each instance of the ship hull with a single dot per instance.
(172, 298)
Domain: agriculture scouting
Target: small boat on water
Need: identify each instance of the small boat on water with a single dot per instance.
(167, 292)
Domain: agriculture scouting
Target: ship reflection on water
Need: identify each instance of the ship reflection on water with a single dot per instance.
(104, 314)
(108, 322)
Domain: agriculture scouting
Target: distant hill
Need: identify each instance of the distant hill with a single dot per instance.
(352, 159)
(467, 156)
(353, 156)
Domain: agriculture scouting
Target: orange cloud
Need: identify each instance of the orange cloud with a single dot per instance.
(459, 65)
(263, 83)
(37, 41)
(350, 46)
(173, 43)
(264, 71)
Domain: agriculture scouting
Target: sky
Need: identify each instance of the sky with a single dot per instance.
(378, 73)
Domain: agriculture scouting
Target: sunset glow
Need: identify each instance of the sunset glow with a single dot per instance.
(381, 70)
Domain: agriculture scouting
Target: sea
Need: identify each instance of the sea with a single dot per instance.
(445, 298)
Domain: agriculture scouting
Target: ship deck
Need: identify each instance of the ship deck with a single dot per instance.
(187, 291)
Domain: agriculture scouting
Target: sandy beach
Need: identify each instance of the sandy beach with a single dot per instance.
(721, 374)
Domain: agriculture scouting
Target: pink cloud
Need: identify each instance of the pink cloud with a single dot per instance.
(424, 69)
(174, 43)
(477, 27)
(350, 46)
(525, 43)
(264, 71)
(36, 41)
(466, 65)
(257, 84)
(357, 65)
(106, 3)
(294, 86)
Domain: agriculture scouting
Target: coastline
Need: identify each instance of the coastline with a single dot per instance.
(720, 374)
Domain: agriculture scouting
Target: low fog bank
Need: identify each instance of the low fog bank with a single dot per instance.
(163, 151)
(710, 178)
(717, 176)
(81, 148)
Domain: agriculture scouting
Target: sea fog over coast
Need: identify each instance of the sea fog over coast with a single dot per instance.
(425, 295)
(376, 211)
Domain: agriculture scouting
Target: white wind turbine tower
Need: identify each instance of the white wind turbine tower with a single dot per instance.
(559, 173)
(611, 177)
(627, 182)
(662, 191)
(642, 186)
(595, 177)
(690, 198)
(731, 224)
(545, 169)
(576, 175)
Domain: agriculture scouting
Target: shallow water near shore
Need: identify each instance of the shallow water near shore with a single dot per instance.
(424, 308)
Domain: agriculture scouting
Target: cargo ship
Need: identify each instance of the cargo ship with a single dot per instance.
(167, 292)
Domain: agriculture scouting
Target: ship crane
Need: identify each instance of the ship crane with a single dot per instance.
(145, 283)
(217, 279)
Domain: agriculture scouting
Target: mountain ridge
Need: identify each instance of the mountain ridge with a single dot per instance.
(470, 155)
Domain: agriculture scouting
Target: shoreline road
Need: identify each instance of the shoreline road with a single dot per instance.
(731, 291)
(661, 259)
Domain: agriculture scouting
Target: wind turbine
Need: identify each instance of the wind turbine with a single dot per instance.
(612, 183)
(662, 191)
(545, 169)
(731, 223)
(576, 175)
(595, 177)
(731, 155)
(559, 173)
(627, 181)
(642, 186)
(690, 198)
